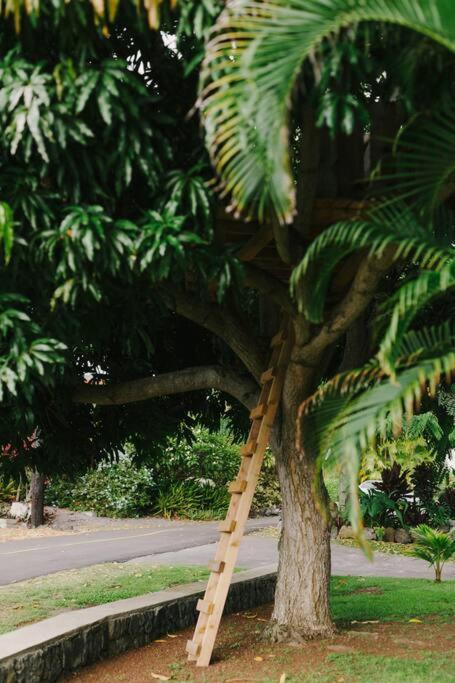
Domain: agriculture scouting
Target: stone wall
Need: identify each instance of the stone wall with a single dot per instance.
(45, 659)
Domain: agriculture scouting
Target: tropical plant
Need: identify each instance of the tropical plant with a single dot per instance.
(394, 482)
(448, 497)
(379, 510)
(435, 547)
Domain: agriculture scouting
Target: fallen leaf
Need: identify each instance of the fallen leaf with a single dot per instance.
(260, 619)
(271, 656)
(171, 635)
(159, 640)
(138, 576)
(259, 659)
(415, 621)
(160, 677)
(375, 621)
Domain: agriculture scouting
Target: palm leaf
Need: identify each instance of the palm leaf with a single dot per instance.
(390, 226)
(409, 300)
(253, 58)
(425, 160)
(341, 426)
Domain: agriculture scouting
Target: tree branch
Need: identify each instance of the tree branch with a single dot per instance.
(362, 290)
(225, 324)
(269, 285)
(191, 379)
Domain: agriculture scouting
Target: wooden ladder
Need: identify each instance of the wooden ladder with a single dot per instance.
(242, 490)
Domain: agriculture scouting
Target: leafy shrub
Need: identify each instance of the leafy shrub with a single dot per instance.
(394, 482)
(448, 498)
(380, 510)
(209, 455)
(267, 494)
(438, 515)
(435, 547)
(189, 480)
(192, 499)
(114, 490)
(7, 491)
(415, 515)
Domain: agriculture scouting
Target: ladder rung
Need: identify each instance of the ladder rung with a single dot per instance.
(193, 648)
(258, 412)
(216, 567)
(205, 606)
(278, 339)
(237, 486)
(227, 526)
(268, 375)
(248, 449)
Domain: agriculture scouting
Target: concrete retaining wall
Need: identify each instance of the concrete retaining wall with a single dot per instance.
(42, 652)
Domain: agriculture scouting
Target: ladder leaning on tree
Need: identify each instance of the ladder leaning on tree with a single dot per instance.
(242, 490)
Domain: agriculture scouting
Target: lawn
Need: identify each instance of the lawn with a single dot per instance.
(28, 601)
(358, 598)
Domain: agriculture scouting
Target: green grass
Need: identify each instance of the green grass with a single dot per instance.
(361, 668)
(35, 599)
(391, 599)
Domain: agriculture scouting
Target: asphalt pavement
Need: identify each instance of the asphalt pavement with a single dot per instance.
(182, 543)
(25, 559)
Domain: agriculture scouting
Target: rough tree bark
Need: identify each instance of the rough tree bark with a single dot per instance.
(301, 609)
(37, 499)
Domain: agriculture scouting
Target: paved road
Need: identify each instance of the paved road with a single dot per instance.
(257, 551)
(28, 558)
(173, 543)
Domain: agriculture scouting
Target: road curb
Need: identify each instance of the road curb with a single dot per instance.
(43, 652)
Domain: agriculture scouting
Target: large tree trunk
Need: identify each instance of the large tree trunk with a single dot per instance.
(302, 595)
(37, 499)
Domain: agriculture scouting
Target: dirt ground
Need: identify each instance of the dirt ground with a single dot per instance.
(242, 655)
(60, 521)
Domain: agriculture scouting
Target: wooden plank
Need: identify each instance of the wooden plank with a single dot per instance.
(248, 449)
(256, 243)
(278, 339)
(258, 412)
(205, 606)
(193, 648)
(237, 486)
(216, 567)
(227, 526)
(268, 375)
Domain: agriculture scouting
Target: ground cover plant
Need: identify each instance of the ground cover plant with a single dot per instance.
(35, 599)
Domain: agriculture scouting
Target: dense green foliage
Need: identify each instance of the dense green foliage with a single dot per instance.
(187, 478)
(104, 195)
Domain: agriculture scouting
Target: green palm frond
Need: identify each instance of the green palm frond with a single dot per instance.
(253, 58)
(390, 226)
(341, 426)
(408, 301)
(425, 160)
